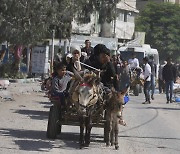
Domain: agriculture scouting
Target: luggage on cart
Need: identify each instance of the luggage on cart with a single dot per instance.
(176, 91)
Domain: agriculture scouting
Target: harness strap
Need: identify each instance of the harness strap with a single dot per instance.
(85, 84)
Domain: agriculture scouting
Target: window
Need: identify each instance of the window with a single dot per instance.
(121, 15)
(125, 16)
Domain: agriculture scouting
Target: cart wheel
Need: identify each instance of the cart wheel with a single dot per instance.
(136, 90)
(52, 128)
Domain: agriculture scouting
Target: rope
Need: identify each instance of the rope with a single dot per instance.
(89, 66)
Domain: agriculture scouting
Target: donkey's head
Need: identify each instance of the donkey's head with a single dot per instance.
(87, 93)
(116, 100)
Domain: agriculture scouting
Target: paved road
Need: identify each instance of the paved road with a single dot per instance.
(151, 129)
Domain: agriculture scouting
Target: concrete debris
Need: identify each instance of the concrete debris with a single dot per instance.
(4, 84)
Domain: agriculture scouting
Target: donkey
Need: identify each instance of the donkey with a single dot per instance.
(113, 117)
(85, 98)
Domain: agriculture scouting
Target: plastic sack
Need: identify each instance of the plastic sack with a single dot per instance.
(177, 99)
(126, 99)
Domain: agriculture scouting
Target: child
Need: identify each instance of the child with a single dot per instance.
(59, 83)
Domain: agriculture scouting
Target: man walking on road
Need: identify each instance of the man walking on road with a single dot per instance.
(169, 77)
(153, 75)
(160, 79)
(147, 80)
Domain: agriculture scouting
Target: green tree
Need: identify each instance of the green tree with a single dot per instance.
(23, 21)
(161, 23)
(26, 22)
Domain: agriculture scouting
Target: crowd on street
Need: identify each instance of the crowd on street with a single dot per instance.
(115, 71)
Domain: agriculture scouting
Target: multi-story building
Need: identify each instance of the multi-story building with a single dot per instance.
(125, 21)
(122, 27)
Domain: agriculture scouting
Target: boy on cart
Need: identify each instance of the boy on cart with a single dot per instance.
(60, 82)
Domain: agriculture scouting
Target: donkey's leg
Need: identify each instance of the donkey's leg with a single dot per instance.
(112, 133)
(82, 125)
(116, 130)
(88, 130)
(108, 129)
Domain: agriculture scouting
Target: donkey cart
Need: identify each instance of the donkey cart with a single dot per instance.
(58, 117)
(89, 102)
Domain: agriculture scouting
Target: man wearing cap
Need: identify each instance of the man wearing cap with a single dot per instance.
(94, 58)
(108, 75)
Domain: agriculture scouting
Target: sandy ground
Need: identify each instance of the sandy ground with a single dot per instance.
(151, 129)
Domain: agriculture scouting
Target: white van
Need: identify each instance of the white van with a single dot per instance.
(140, 51)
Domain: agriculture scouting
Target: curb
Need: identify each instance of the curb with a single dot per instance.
(29, 80)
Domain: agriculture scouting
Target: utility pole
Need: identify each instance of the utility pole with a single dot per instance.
(115, 14)
(52, 52)
(28, 58)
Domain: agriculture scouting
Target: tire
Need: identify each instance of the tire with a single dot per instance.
(136, 90)
(53, 127)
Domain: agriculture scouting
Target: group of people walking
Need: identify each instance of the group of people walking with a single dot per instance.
(115, 71)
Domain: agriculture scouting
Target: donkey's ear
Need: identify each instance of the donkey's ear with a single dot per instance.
(124, 91)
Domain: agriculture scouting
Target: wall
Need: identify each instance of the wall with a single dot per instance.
(125, 24)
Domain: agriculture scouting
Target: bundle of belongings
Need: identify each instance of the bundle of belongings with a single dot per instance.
(176, 90)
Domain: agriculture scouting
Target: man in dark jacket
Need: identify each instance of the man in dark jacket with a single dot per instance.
(108, 75)
(88, 49)
(169, 76)
(101, 60)
(94, 58)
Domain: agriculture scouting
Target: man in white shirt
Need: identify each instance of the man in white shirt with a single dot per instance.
(147, 80)
(133, 62)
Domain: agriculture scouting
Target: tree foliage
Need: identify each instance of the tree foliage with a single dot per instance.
(28, 21)
(161, 23)
(24, 21)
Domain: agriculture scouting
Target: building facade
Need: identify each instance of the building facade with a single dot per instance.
(122, 27)
(125, 21)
